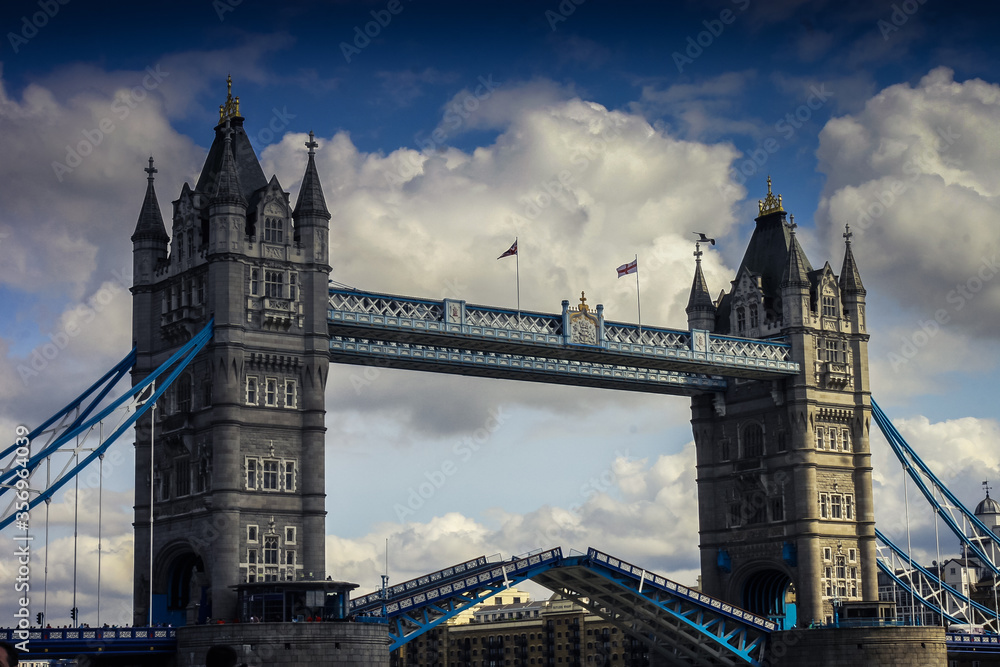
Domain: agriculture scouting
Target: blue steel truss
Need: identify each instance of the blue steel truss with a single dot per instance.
(412, 613)
(452, 336)
(984, 544)
(925, 586)
(682, 625)
(85, 421)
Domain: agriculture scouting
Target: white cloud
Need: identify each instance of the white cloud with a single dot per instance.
(913, 175)
(640, 512)
(962, 453)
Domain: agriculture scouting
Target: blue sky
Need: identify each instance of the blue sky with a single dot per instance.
(437, 139)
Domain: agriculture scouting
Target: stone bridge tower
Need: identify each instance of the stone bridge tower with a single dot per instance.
(784, 469)
(238, 439)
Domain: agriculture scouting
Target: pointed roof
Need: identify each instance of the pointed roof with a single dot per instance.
(251, 176)
(850, 278)
(228, 183)
(797, 269)
(150, 223)
(311, 200)
(700, 298)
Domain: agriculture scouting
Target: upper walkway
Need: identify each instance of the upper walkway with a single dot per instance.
(576, 347)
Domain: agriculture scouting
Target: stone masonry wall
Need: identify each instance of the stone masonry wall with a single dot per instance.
(858, 647)
(289, 644)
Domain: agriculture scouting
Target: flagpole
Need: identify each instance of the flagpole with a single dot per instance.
(638, 301)
(517, 272)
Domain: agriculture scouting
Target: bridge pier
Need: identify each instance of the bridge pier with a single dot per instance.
(289, 644)
(858, 647)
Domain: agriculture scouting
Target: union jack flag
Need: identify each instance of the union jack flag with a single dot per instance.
(510, 251)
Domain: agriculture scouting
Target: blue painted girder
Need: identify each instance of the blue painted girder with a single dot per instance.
(410, 616)
(683, 626)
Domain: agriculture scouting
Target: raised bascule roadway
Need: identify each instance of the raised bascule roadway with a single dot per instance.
(235, 324)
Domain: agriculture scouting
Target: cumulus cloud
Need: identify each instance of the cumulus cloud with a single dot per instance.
(912, 173)
(640, 511)
(960, 452)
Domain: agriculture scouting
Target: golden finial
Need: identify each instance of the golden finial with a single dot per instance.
(583, 303)
(770, 204)
(231, 108)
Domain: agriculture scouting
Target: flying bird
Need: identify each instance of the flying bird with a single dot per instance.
(704, 239)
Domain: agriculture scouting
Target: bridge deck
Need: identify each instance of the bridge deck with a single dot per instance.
(455, 337)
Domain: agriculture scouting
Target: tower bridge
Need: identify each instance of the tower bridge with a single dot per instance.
(232, 493)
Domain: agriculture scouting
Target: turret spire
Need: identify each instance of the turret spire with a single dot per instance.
(228, 190)
(150, 223)
(311, 200)
(796, 271)
(850, 278)
(700, 308)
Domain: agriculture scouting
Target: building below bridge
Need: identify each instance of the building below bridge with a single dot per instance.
(512, 629)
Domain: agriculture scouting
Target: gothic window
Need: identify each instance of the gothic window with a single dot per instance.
(252, 556)
(289, 534)
(833, 439)
(201, 291)
(253, 474)
(741, 319)
(832, 351)
(845, 440)
(849, 507)
(829, 305)
(824, 506)
(255, 282)
(289, 475)
(724, 450)
(251, 533)
(753, 441)
(827, 553)
(202, 480)
(289, 556)
(184, 393)
(271, 550)
(292, 285)
(270, 476)
(782, 441)
(182, 477)
(251, 391)
(271, 392)
(852, 554)
(274, 287)
(273, 230)
(289, 393)
(819, 437)
(190, 242)
(754, 317)
(777, 509)
(165, 485)
(835, 506)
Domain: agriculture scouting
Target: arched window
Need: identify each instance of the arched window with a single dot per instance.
(741, 319)
(274, 230)
(184, 393)
(754, 317)
(753, 441)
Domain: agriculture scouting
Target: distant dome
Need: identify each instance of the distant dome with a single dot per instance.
(987, 506)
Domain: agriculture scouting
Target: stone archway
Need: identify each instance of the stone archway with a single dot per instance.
(184, 588)
(770, 593)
